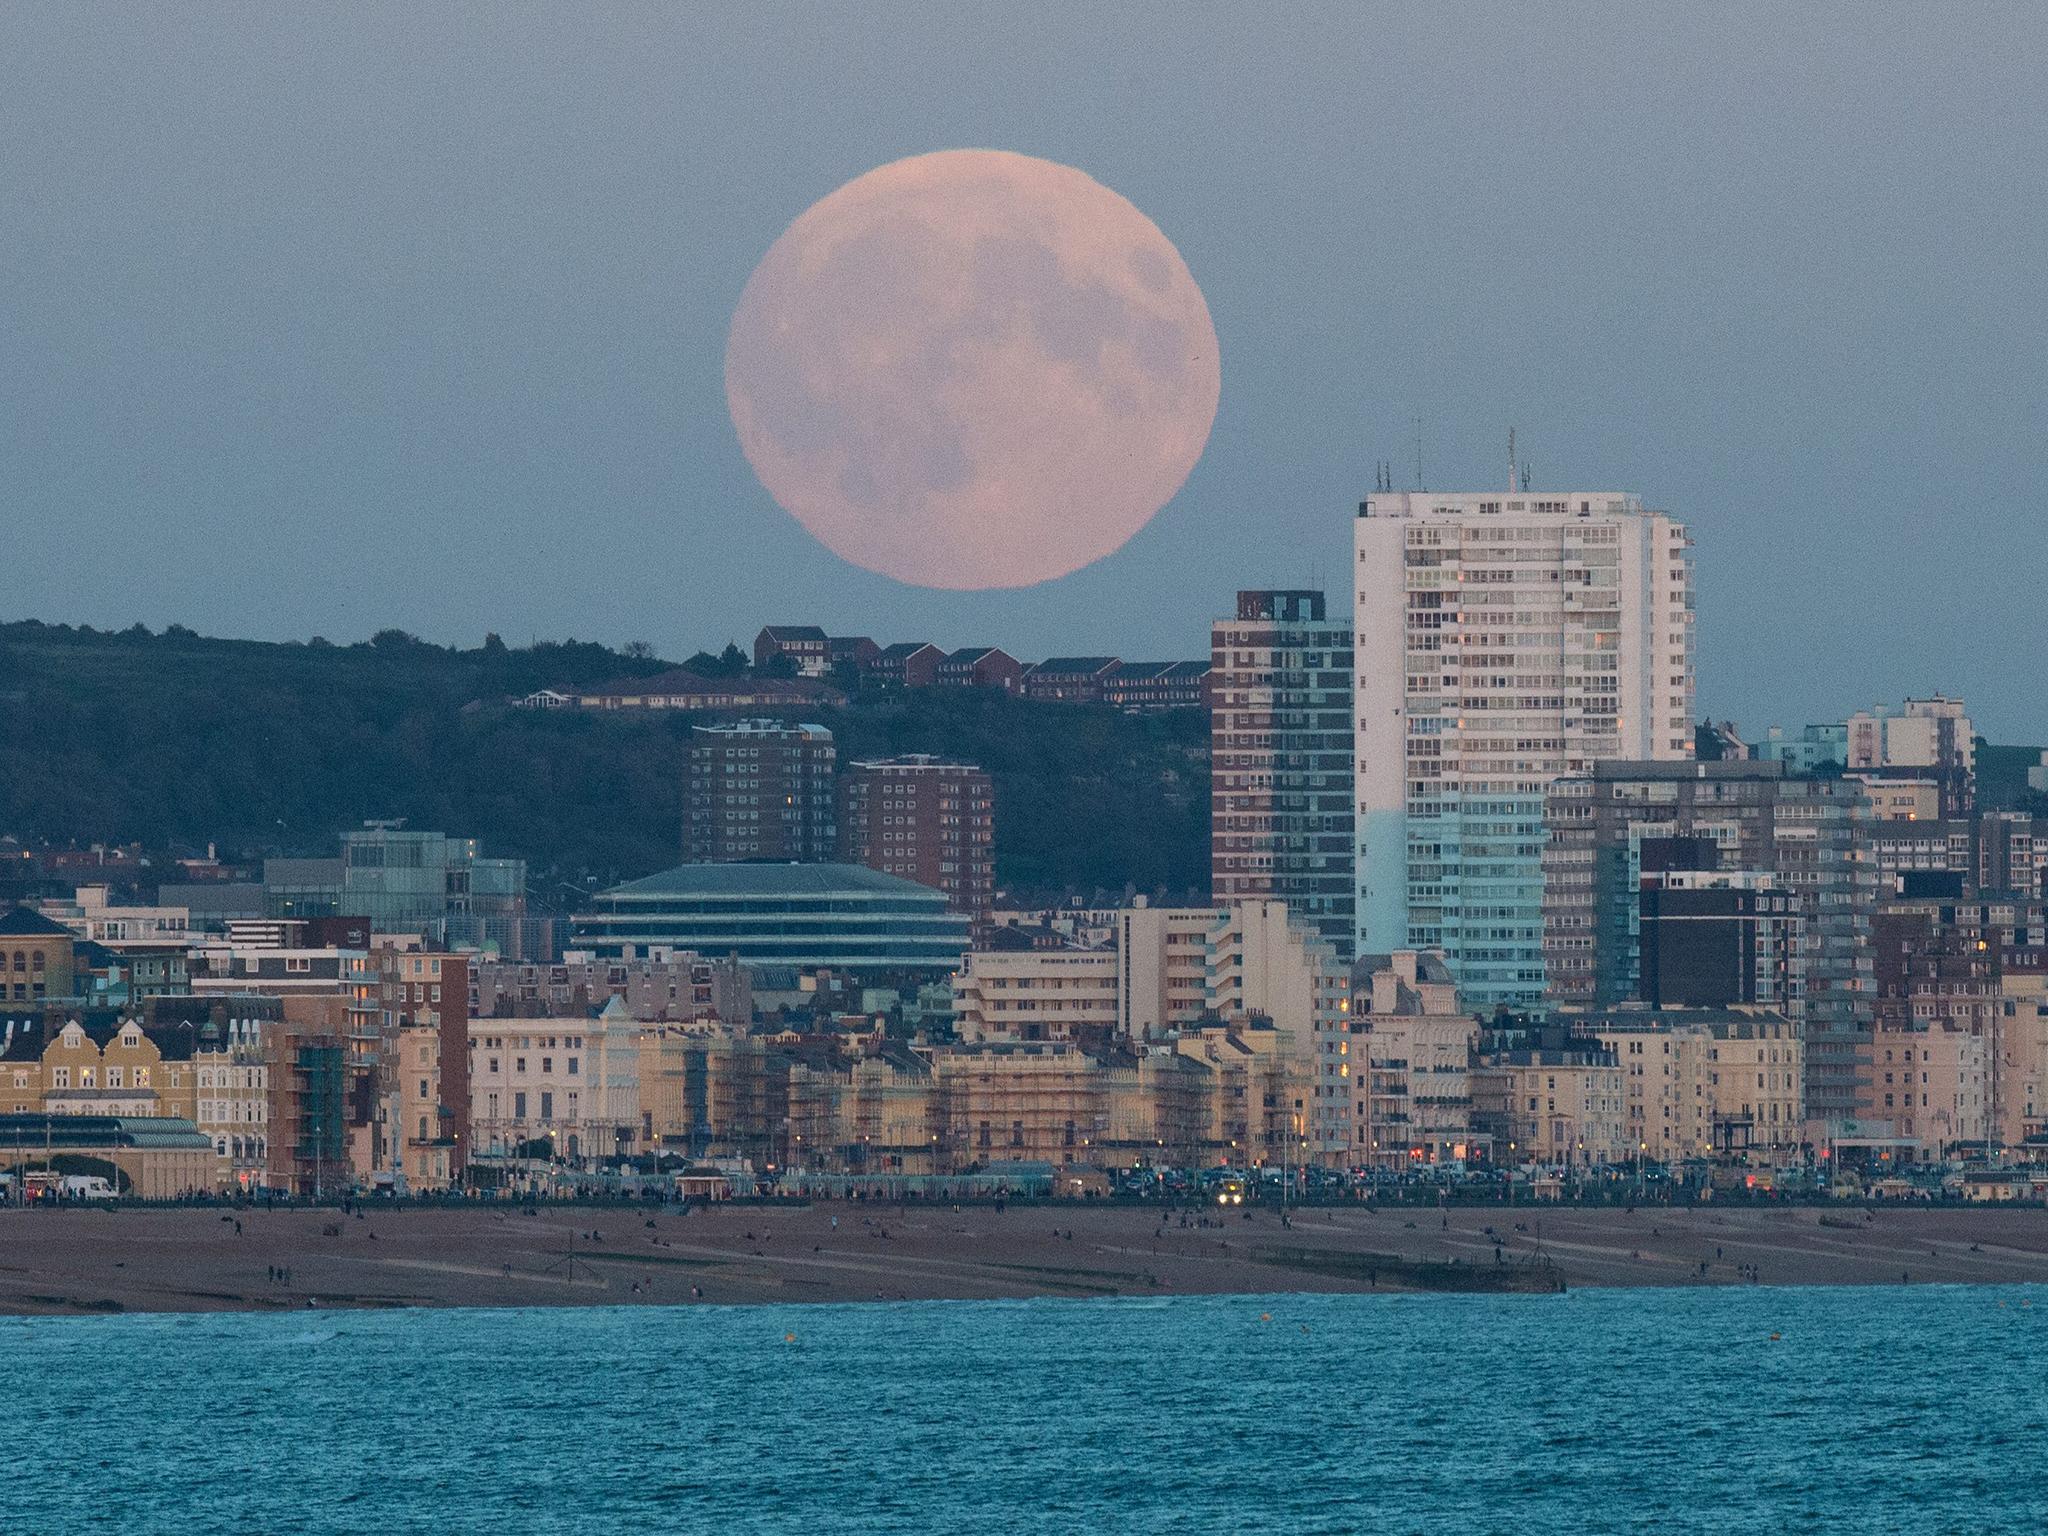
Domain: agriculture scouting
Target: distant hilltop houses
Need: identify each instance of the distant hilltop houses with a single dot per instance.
(797, 664)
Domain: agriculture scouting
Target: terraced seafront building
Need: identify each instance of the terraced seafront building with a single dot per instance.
(798, 917)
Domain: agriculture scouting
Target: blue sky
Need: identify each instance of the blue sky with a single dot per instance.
(319, 320)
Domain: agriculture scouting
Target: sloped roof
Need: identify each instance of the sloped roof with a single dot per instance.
(24, 922)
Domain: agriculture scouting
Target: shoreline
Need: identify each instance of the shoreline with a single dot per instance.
(205, 1259)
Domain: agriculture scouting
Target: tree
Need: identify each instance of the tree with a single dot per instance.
(638, 650)
(732, 661)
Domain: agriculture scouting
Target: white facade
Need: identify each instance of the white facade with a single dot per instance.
(232, 1100)
(91, 914)
(575, 1082)
(1926, 733)
(1503, 639)
(1031, 995)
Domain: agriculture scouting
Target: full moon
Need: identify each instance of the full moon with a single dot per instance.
(972, 369)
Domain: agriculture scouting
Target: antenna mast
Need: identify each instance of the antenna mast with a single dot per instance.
(1513, 478)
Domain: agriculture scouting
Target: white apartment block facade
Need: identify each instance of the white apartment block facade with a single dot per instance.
(1503, 639)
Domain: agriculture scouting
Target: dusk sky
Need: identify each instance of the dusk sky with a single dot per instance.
(328, 320)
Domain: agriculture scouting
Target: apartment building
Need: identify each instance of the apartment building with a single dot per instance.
(1723, 1083)
(678, 986)
(398, 986)
(1410, 1065)
(925, 819)
(1930, 739)
(573, 1083)
(1281, 824)
(1565, 1108)
(1501, 641)
(759, 790)
(1809, 836)
(1174, 970)
(1034, 996)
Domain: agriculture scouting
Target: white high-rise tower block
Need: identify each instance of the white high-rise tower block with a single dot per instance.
(1502, 639)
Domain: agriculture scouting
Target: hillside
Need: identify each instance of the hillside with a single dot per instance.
(174, 740)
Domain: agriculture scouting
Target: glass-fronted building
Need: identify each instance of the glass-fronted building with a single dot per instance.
(428, 883)
(799, 917)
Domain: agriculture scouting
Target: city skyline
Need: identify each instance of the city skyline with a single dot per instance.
(778, 736)
(257, 330)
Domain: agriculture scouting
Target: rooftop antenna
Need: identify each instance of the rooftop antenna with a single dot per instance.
(1525, 477)
(1513, 478)
(1418, 453)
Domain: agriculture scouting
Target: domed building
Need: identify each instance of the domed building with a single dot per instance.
(796, 917)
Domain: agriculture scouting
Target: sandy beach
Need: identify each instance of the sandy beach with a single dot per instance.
(93, 1261)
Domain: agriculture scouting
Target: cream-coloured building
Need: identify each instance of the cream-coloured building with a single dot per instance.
(1933, 1082)
(1708, 1083)
(573, 1082)
(1900, 799)
(1029, 996)
(881, 1113)
(231, 1091)
(1175, 969)
(91, 913)
(1103, 1107)
(1023, 1103)
(1561, 1108)
(1258, 1107)
(2021, 1110)
(1409, 1066)
(424, 1147)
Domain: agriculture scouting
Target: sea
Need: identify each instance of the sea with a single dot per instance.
(1712, 1410)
